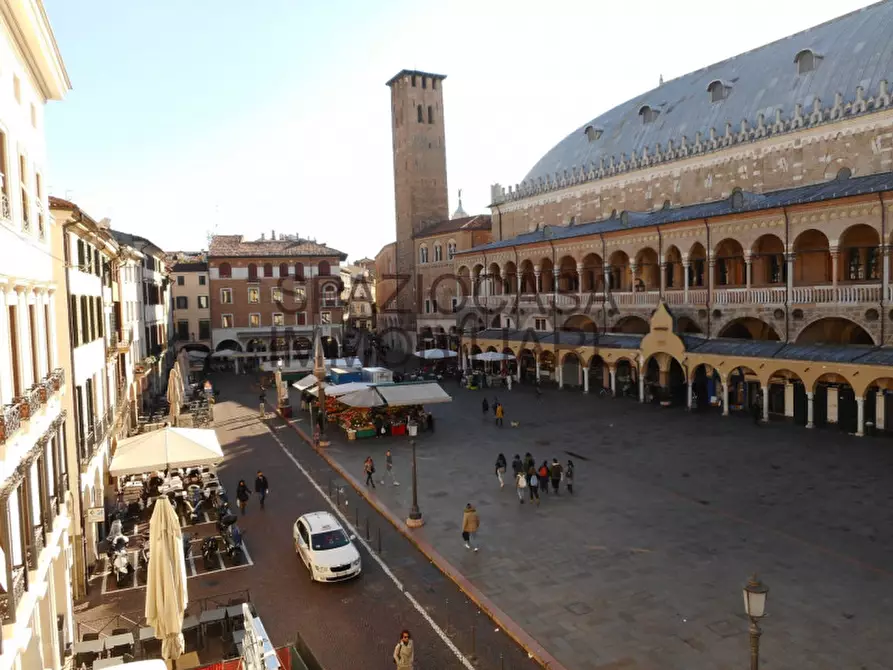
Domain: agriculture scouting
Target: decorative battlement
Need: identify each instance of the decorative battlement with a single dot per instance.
(814, 114)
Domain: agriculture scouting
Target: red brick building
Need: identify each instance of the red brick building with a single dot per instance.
(270, 294)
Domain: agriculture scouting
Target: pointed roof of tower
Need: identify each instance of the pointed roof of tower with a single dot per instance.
(459, 213)
(319, 358)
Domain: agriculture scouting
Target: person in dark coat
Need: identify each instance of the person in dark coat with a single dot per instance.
(242, 495)
(261, 487)
(485, 406)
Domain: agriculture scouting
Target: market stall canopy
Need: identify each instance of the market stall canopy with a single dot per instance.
(492, 356)
(166, 448)
(342, 389)
(367, 397)
(436, 354)
(306, 382)
(400, 395)
(344, 363)
(224, 353)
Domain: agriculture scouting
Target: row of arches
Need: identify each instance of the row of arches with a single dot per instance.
(855, 257)
(301, 346)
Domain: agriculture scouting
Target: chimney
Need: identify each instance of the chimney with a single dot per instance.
(262, 237)
(273, 236)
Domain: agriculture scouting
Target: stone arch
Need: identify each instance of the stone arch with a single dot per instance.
(786, 395)
(527, 277)
(494, 279)
(625, 377)
(580, 323)
(748, 328)
(568, 279)
(527, 363)
(597, 370)
(744, 388)
(697, 266)
(647, 270)
(510, 278)
(812, 259)
(547, 276)
(491, 349)
(463, 280)
(834, 330)
(618, 271)
(303, 345)
(729, 268)
(632, 325)
(593, 276)
(859, 254)
(255, 345)
(571, 369)
(685, 325)
(477, 279)
(547, 364)
(767, 264)
(673, 276)
(843, 412)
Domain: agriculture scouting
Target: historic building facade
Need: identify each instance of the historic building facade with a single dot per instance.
(191, 294)
(36, 484)
(269, 295)
(751, 198)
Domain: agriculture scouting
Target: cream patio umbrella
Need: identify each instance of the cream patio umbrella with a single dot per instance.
(166, 595)
(175, 393)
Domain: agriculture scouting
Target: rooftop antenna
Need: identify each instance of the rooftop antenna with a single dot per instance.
(661, 82)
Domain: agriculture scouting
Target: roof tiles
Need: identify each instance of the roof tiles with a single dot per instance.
(230, 246)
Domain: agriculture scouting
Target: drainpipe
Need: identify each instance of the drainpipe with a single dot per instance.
(660, 264)
(885, 271)
(788, 280)
(554, 291)
(607, 290)
(709, 277)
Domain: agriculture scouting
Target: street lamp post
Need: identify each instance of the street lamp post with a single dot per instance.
(415, 519)
(755, 594)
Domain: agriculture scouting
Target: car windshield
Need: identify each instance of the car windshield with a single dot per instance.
(331, 539)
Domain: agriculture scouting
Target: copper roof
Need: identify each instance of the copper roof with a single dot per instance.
(236, 245)
(479, 222)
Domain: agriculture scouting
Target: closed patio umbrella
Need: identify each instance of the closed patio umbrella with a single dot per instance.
(175, 393)
(166, 595)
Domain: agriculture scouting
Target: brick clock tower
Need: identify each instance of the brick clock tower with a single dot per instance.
(420, 177)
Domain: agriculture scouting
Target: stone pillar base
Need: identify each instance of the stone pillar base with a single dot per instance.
(415, 523)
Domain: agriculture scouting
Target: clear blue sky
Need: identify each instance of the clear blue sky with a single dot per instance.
(193, 115)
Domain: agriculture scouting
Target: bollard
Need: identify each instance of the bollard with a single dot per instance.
(447, 607)
(501, 661)
(379, 539)
(367, 529)
(473, 641)
(357, 524)
(337, 497)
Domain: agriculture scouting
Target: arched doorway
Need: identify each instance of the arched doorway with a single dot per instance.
(510, 367)
(625, 384)
(651, 379)
(834, 403)
(706, 387)
(812, 260)
(547, 365)
(632, 325)
(230, 345)
(571, 370)
(749, 328)
(527, 361)
(879, 407)
(329, 346)
(598, 374)
(580, 323)
(255, 346)
(687, 326)
(787, 397)
(744, 390)
(834, 330)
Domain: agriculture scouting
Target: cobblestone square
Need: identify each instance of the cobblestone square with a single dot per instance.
(642, 567)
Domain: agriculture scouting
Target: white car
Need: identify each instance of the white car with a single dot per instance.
(326, 548)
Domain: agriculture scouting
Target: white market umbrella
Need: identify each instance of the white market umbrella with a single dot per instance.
(224, 353)
(306, 382)
(367, 397)
(175, 393)
(166, 448)
(342, 389)
(197, 354)
(435, 354)
(492, 356)
(166, 595)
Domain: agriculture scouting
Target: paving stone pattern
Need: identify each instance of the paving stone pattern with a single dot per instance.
(643, 566)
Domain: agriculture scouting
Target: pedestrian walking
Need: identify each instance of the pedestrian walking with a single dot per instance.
(430, 422)
(533, 482)
(508, 382)
(242, 495)
(389, 469)
(263, 403)
(517, 466)
(316, 434)
(500, 413)
(520, 485)
(528, 462)
(404, 655)
(543, 474)
(369, 469)
(485, 406)
(495, 404)
(261, 487)
(555, 473)
(470, 524)
(500, 470)
(756, 411)
(569, 476)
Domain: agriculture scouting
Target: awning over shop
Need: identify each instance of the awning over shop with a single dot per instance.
(166, 448)
(364, 398)
(413, 394)
(341, 389)
(306, 382)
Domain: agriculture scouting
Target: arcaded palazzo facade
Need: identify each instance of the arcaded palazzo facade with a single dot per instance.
(752, 199)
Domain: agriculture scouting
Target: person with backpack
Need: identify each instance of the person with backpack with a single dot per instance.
(520, 485)
(543, 474)
(517, 466)
(485, 406)
(470, 524)
(404, 654)
(555, 473)
(533, 483)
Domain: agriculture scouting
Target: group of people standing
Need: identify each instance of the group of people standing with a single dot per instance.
(536, 480)
(498, 410)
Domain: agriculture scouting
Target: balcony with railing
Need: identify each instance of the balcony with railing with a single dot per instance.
(124, 338)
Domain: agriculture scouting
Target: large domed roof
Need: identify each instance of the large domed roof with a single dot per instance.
(837, 57)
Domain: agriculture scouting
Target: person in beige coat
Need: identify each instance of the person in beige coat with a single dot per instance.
(404, 654)
(470, 524)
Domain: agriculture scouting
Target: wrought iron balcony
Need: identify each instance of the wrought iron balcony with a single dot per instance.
(58, 376)
(29, 403)
(5, 209)
(123, 339)
(10, 421)
(9, 601)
